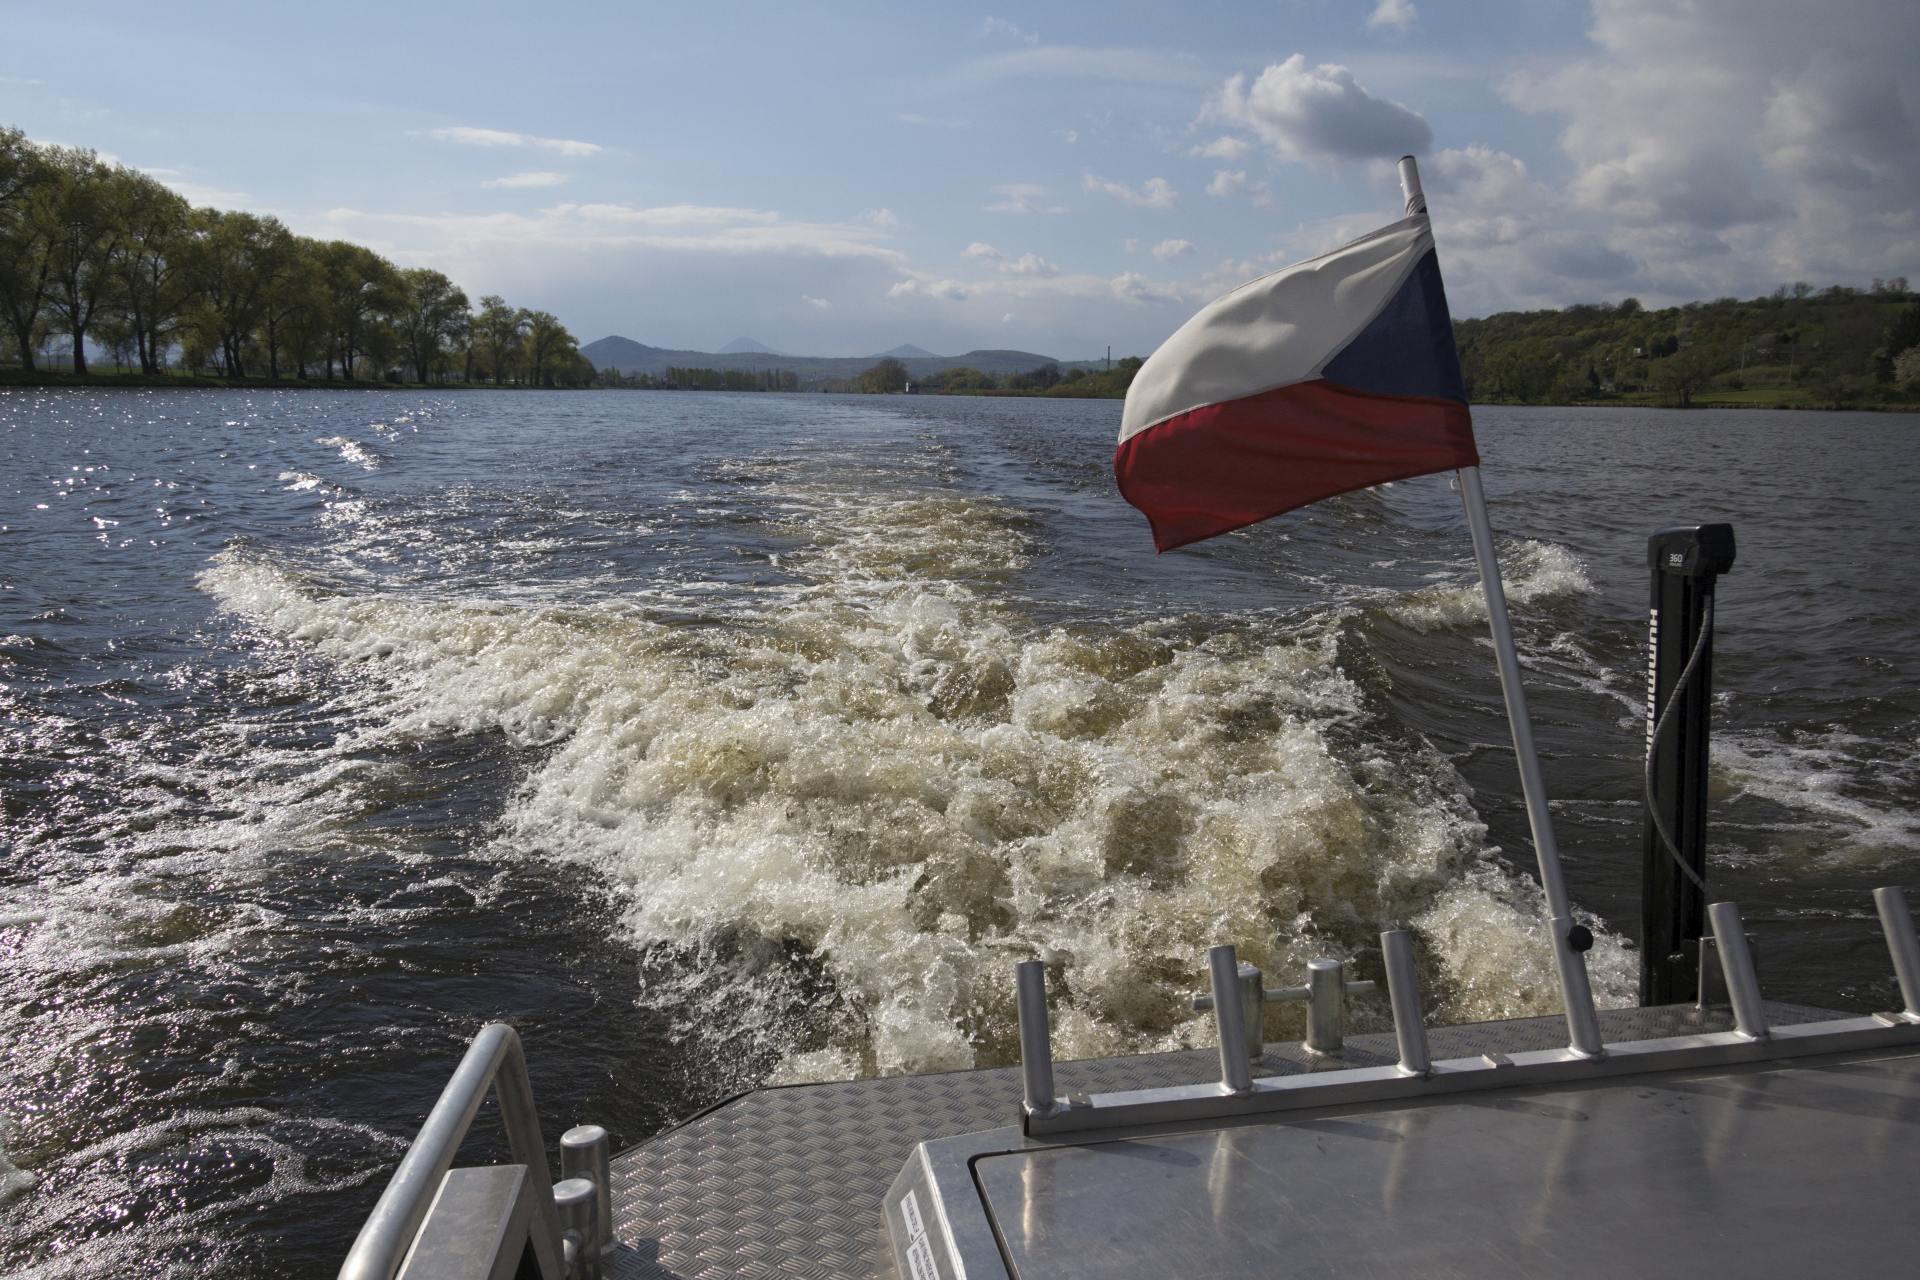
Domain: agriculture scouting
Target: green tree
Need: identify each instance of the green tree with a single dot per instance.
(232, 256)
(292, 300)
(887, 376)
(26, 258)
(433, 313)
(360, 288)
(153, 279)
(84, 232)
(549, 348)
(497, 331)
(1687, 371)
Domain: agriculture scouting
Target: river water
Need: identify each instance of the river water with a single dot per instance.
(718, 739)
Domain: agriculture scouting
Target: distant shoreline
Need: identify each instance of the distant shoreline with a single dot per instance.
(199, 382)
(204, 382)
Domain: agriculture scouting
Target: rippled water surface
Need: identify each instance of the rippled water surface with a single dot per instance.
(719, 739)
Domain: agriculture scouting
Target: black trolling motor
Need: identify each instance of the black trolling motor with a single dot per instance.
(1686, 563)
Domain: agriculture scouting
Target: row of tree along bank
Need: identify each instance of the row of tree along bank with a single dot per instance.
(98, 257)
(1076, 381)
(1799, 347)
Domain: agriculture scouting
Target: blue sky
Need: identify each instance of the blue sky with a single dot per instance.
(1055, 177)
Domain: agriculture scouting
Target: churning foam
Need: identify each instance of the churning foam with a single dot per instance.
(1530, 572)
(845, 817)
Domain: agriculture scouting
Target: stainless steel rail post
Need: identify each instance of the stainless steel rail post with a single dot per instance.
(585, 1152)
(494, 1062)
(1327, 989)
(1736, 962)
(1036, 1045)
(576, 1200)
(1229, 1018)
(1403, 991)
(1897, 923)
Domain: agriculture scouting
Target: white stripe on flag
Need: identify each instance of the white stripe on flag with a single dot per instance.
(1275, 331)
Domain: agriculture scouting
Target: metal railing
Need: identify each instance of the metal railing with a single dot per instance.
(494, 1063)
(1046, 1113)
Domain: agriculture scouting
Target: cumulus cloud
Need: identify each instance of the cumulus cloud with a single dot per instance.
(1726, 145)
(818, 304)
(537, 178)
(468, 136)
(1027, 264)
(1319, 113)
(1132, 287)
(1398, 14)
(928, 287)
(882, 217)
(1169, 250)
(1155, 193)
(1224, 147)
(1228, 183)
(1023, 197)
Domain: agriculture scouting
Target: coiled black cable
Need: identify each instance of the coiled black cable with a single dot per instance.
(1653, 745)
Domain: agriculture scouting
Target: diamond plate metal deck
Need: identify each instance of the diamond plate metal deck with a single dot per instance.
(789, 1182)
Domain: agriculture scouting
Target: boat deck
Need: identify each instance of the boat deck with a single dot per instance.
(791, 1181)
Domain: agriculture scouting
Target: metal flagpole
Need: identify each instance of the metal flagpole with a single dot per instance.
(1570, 941)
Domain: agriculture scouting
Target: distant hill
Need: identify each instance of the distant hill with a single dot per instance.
(632, 357)
(746, 347)
(907, 351)
(1798, 347)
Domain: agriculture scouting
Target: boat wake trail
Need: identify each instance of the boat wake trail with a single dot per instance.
(838, 809)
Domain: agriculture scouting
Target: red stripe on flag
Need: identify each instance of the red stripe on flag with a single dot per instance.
(1227, 465)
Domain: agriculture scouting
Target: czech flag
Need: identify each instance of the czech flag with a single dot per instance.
(1329, 375)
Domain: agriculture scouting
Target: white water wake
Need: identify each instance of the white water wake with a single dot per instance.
(848, 813)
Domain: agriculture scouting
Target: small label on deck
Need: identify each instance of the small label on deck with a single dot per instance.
(910, 1212)
(920, 1260)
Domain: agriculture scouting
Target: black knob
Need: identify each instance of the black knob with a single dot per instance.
(1580, 938)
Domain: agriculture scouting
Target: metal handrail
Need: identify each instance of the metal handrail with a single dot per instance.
(496, 1062)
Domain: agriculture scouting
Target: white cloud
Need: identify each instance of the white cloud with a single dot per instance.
(1022, 197)
(1131, 246)
(1027, 264)
(468, 136)
(926, 286)
(537, 178)
(930, 122)
(1398, 14)
(1030, 264)
(1169, 250)
(1155, 193)
(1319, 113)
(1002, 28)
(1228, 183)
(882, 217)
(1725, 145)
(1131, 286)
(1068, 136)
(1224, 147)
(818, 304)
